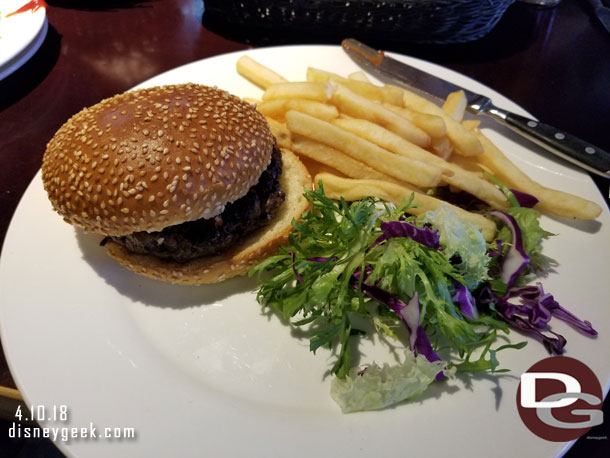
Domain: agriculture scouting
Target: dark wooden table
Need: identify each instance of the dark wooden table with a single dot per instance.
(555, 63)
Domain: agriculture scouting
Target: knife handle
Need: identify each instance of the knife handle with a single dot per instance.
(560, 143)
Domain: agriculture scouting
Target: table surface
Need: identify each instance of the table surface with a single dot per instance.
(555, 63)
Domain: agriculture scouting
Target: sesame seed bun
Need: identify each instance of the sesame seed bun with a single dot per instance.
(240, 258)
(150, 158)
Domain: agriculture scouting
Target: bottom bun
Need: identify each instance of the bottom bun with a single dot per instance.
(238, 259)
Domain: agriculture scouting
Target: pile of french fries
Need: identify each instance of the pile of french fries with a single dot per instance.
(361, 139)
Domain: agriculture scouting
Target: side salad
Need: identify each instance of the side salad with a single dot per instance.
(432, 282)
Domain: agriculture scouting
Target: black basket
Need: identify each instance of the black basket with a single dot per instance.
(416, 21)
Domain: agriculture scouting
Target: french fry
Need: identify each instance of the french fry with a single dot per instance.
(401, 168)
(359, 76)
(386, 139)
(358, 106)
(442, 147)
(382, 94)
(314, 167)
(257, 73)
(277, 108)
(469, 164)
(281, 133)
(452, 173)
(433, 125)
(353, 189)
(316, 75)
(465, 142)
(365, 131)
(455, 105)
(343, 163)
(301, 90)
(471, 124)
(551, 201)
(473, 183)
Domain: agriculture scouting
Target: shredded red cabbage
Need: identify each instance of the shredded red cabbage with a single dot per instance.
(513, 316)
(463, 298)
(525, 199)
(424, 235)
(516, 258)
(533, 313)
(540, 306)
(498, 251)
(535, 308)
(297, 275)
(554, 345)
(408, 313)
(322, 259)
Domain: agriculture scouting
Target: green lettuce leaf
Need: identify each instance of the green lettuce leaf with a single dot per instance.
(460, 237)
(377, 387)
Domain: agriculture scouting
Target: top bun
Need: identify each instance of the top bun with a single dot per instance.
(152, 158)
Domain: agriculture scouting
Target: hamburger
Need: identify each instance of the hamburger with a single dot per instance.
(184, 182)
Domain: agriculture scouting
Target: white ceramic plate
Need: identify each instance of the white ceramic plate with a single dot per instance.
(20, 35)
(201, 371)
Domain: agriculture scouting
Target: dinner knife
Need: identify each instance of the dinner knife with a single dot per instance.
(563, 144)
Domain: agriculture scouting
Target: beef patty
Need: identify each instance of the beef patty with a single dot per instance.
(206, 237)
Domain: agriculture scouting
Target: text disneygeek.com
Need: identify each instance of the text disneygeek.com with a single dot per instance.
(65, 433)
(60, 413)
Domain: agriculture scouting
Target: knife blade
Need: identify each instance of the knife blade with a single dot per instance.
(558, 142)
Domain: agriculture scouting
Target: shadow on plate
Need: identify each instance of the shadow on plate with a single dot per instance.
(494, 379)
(29, 76)
(152, 292)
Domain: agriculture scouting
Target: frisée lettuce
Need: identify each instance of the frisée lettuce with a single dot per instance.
(433, 278)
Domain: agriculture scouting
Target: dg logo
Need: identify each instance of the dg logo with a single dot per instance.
(560, 399)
